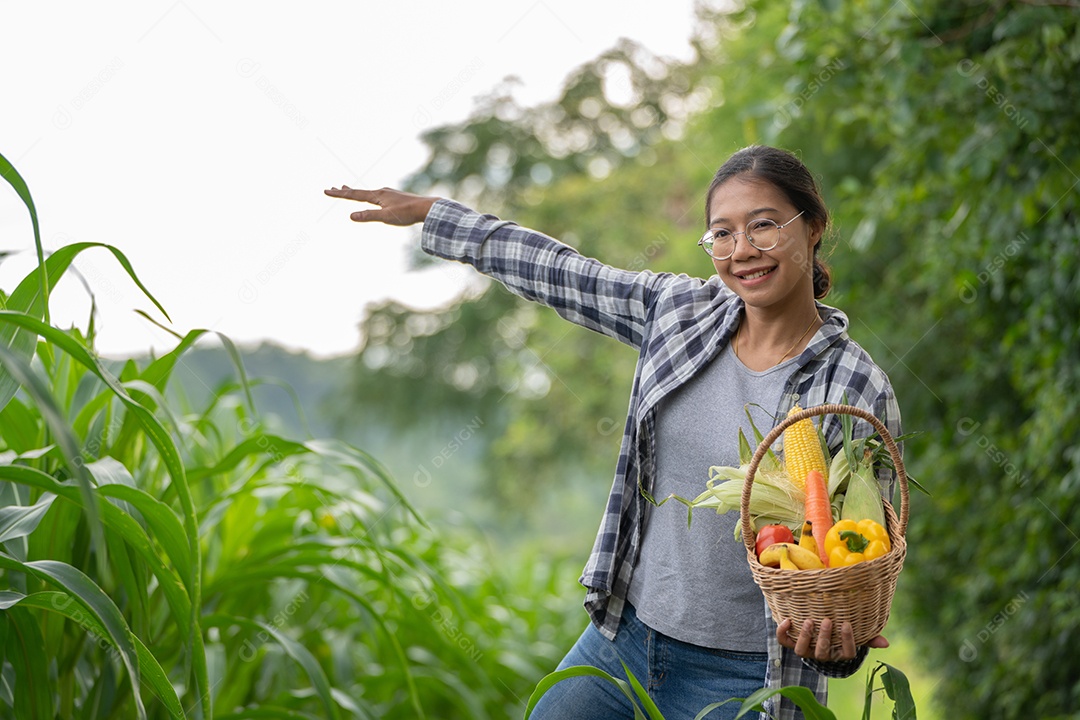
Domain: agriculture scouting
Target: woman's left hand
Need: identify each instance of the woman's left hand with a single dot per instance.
(395, 207)
(821, 650)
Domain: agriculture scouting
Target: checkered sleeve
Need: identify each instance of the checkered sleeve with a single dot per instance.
(536, 267)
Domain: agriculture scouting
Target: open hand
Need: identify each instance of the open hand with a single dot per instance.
(395, 207)
(821, 650)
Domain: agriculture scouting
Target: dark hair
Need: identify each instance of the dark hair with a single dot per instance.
(787, 173)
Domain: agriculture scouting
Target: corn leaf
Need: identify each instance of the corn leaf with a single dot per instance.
(29, 298)
(164, 444)
(558, 676)
(898, 689)
(116, 521)
(801, 696)
(150, 669)
(268, 711)
(160, 519)
(31, 293)
(26, 649)
(20, 426)
(293, 649)
(64, 436)
(642, 695)
(81, 588)
(19, 521)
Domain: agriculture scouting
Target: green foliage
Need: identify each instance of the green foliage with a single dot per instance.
(976, 239)
(894, 684)
(166, 558)
(944, 135)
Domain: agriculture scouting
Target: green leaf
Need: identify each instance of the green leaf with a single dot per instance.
(170, 456)
(803, 697)
(868, 696)
(356, 459)
(550, 680)
(26, 652)
(150, 670)
(162, 521)
(29, 298)
(19, 425)
(642, 695)
(94, 599)
(159, 371)
(709, 708)
(267, 711)
(115, 520)
(19, 521)
(898, 689)
(746, 453)
(36, 388)
(293, 649)
(16, 181)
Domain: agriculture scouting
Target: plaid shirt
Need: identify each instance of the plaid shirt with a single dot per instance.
(678, 324)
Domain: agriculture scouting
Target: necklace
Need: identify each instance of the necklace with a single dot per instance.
(735, 343)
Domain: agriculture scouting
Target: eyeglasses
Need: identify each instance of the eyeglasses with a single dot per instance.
(762, 233)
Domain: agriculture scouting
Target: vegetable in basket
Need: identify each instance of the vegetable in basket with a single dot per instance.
(849, 542)
(772, 534)
(818, 509)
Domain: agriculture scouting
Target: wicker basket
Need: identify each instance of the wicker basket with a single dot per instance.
(861, 593)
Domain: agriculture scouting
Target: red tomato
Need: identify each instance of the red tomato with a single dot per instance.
(773, 534)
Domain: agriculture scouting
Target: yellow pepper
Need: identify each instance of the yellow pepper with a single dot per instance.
(849, 542)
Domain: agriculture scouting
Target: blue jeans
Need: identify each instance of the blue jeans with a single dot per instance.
(681, 678)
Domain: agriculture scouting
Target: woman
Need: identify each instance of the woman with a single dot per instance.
(679, 606)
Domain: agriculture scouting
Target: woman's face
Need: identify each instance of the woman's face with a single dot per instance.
(775, 279)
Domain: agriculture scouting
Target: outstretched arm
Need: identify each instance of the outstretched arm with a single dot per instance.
(394, 206)
(530, 264)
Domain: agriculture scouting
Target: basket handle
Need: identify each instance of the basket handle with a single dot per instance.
(749, 537)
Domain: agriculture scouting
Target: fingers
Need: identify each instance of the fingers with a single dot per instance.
(782, 634)
(371, 196)
(802, 647)
(847, 639)
(819, 646)
(878, 642)
(395, 207)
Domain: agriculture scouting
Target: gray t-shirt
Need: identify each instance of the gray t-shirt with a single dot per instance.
(694, 584)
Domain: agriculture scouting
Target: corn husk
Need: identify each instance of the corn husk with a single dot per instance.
(774, 499)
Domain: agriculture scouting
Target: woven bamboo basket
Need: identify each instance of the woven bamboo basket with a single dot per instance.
(860, 594)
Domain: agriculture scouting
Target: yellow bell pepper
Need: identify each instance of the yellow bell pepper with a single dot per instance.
(849, 542)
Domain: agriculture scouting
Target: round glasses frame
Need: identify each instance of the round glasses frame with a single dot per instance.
(707, 240)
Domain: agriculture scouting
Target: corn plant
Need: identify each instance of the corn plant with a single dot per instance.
(893, 683)
(159, 560)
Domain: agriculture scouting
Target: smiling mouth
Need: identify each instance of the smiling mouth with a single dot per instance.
(756, 274)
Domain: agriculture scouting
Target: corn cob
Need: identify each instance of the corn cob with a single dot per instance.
(802, 451)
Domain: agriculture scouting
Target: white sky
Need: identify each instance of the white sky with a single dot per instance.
(197, 137)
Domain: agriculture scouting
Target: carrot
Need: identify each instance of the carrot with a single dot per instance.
(818, 510)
